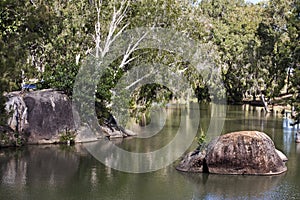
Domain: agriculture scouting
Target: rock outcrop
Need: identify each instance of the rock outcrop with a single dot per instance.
(46, 116)
(41, 115)
(244, 152)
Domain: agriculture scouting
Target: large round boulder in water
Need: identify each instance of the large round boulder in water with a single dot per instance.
(244, 152)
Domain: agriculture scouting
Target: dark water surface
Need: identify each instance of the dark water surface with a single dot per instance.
(70, 172)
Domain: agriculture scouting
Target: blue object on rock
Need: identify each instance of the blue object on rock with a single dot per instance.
(29, 86)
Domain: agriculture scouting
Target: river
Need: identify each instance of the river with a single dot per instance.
(71, 172)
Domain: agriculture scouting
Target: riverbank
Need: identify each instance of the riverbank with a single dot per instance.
(277, 105)
(47, 117)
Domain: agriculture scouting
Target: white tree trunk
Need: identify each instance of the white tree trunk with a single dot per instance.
(262, 97)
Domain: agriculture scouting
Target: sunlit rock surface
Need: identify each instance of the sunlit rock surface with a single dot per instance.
(244, 152)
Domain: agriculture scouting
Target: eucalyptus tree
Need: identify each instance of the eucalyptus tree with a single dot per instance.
(273, 51)
(293, 26)
(71, 39)
(181, 16)
(24, 34)
(234, 24)
(25, 29)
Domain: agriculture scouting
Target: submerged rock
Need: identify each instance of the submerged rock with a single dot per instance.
(244, 152)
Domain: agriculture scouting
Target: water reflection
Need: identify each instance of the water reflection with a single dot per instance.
(51, 164)
(158, 117)
(60, 172)
(289, 132)
(14, 172)
(298, 148)
(178, 135)
(231, 186)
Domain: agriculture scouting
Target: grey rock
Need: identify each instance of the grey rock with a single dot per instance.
(41, 115)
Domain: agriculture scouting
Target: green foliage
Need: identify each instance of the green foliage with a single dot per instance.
(293, 26)
(256, 47)
(144, 97)
(296, 91)
(62, 78)
(19, 141)
(69, 42)
(232, 32)
(272, 53)
(67, 137)
(201, 139)
(3, 115)
(10, 138)
(202, 93)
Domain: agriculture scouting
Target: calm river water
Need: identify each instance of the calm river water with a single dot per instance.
(70, 172)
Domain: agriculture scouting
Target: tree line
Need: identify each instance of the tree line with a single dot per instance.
(256, 46)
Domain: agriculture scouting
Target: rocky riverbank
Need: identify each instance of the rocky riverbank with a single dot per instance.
(46, 117)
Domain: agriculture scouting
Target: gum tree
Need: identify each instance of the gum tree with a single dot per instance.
(293, 27)
(233, 31)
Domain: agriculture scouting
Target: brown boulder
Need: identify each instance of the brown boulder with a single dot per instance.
(193, 162)
(244, 152)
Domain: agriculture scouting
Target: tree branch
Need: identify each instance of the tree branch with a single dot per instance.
(140, 79)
